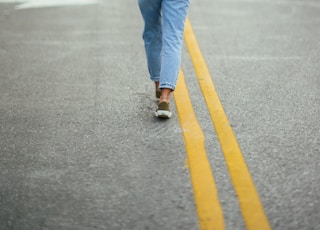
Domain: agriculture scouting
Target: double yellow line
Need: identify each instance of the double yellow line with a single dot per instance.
(210, 213)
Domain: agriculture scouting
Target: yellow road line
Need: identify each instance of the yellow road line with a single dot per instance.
(208, 208)
(250, 205)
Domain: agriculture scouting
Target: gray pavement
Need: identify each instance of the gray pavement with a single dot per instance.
(81, 149)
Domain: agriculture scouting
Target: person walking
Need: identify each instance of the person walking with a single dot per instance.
(162, 35)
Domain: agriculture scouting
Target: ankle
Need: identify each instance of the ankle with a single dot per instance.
(164, 99)
(156, 83)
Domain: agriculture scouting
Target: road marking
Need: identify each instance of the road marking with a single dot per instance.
(208, 207)
(250, 204)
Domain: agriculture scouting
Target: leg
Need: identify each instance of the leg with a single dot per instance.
(174, 14)
(152, 35)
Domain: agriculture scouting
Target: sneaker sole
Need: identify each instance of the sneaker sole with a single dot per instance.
(163, 114)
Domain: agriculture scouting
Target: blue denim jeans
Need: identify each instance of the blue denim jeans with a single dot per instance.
(163, 33)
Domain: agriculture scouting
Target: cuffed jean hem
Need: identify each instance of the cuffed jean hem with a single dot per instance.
(167, 85)
(155, 79)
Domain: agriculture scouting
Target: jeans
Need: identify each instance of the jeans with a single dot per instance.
(163, 33)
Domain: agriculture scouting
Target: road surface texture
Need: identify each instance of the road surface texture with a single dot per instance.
(80, 147)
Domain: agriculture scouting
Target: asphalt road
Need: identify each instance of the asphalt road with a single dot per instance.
(80, 147)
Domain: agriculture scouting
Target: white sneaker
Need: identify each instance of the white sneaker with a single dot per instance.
(163, 110)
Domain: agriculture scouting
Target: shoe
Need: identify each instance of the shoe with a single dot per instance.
(158, 93)
(163, 110)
